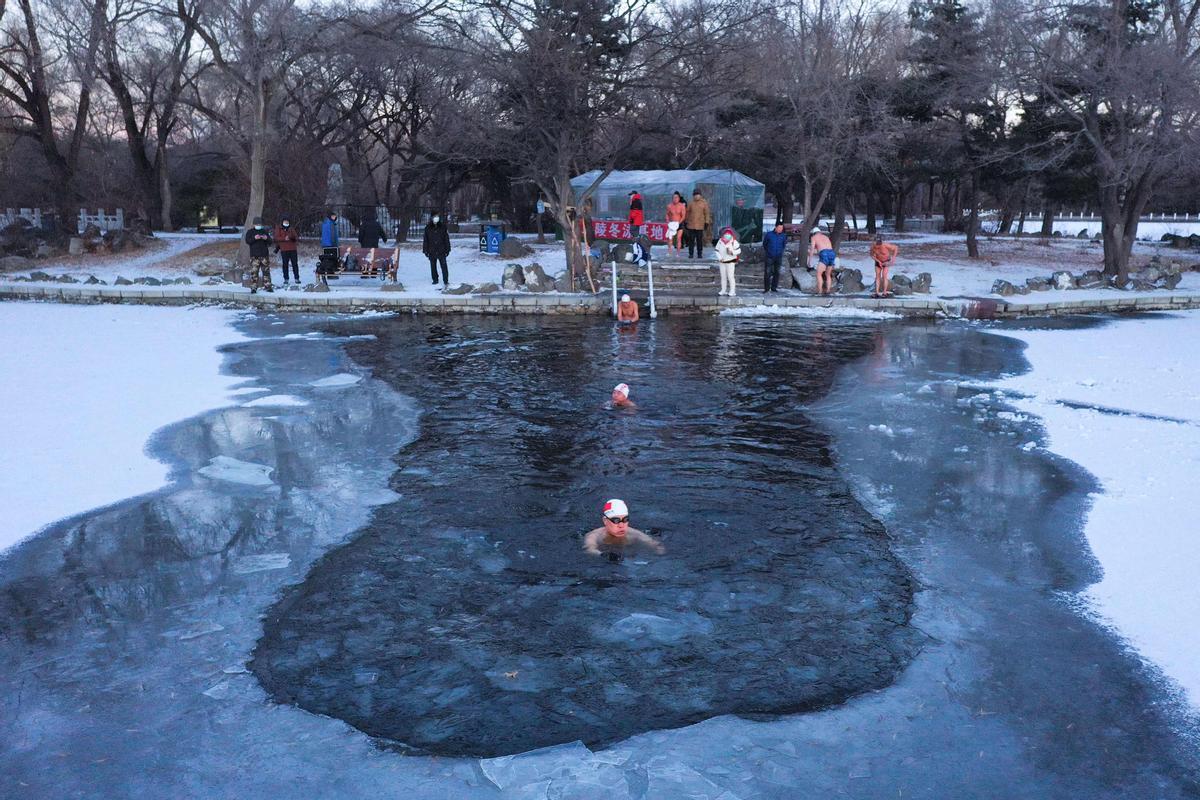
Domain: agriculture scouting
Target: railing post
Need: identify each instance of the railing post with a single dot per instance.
(614, 285)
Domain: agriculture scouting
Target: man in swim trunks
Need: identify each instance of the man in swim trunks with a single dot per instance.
(620, 396)
(822, 248)
(627, 310)
(884, 254)
(616, 534)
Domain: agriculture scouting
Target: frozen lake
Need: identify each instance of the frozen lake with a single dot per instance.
(371, 585)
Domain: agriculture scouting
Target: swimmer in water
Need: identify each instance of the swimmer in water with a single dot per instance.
(620, 396)
(627, 310)
(616, 534)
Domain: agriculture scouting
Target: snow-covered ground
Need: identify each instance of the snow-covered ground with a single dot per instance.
(941, 255)
(83, 389)
(1143, 527)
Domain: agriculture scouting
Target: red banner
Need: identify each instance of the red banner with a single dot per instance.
(619, 229)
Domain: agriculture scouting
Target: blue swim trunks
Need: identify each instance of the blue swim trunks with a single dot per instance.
(827, 257)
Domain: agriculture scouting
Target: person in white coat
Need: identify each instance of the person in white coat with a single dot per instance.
(729, 250)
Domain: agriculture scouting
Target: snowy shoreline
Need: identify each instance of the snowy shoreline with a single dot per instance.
(1141, 525)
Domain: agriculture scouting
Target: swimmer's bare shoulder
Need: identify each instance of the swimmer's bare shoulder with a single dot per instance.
(592, 539)
(646, 539)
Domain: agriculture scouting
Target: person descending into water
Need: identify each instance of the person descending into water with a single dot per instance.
(620, 396)
(616, 534)
(627, 310)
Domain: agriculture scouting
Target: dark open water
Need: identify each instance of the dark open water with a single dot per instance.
(465, 619)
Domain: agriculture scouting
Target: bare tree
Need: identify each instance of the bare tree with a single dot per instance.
(47, 94)
(1125, 73)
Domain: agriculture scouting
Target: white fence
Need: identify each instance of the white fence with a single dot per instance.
(10, 215)
(101, 219)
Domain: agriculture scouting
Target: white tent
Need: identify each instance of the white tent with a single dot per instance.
(736, 200)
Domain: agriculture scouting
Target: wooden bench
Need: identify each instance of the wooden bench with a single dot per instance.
(369, 262)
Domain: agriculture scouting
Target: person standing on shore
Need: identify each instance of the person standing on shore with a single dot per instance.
(884, 254)
(259, 240)
(822, 248)
(286, 243)
(729, 251)
(676, 213)
(436, 247)
(696, 221)
(774, 247)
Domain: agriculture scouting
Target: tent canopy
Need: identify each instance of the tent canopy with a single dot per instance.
(734, 198)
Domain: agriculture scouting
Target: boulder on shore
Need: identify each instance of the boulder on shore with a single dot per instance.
(1062, 279)
(511, 247)
(462, 288)
(804, 279)
(1092, 279)
(850, 281)
(514, 277)
(1003, 288)
(900, 285)
(922, 283)
(536, 279)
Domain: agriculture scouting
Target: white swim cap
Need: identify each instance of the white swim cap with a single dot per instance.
(629, 256)
(616, 508)
(624, 298)
(815, 230)
(622, 388)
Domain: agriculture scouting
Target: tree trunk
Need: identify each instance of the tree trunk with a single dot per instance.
(929, 199)
(947, 206)
(165, 196)
(258, 167)
(1048, 220)
(973, 216)
(901, 200)
(839, 218)
(871, 213)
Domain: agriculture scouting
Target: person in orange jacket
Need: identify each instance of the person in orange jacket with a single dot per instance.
(884, 254)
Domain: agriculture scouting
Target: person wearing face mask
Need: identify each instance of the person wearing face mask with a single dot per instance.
(259, 240)
(286, 240)
(729, 250)
(436, 247)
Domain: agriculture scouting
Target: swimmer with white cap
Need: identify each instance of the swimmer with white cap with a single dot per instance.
(620, 396)
(627, 310)
(616, 534)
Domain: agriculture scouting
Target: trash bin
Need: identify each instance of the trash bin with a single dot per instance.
(490, 238)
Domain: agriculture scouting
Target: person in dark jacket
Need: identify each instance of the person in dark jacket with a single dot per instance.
(637, 216)
(774, 246)
(259, 240)
(286, 239)
(436, 247)
(370, 233)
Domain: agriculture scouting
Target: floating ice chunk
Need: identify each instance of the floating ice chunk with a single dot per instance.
(276, 400)
(1088, 382)
(260, 563)
(219, 692)
(224, 468)
(962, 448)
(926, 389)
(884, 429)
(335, 381)
(1011, 416)
(248, 390)
(1029, 446)
(642, 630)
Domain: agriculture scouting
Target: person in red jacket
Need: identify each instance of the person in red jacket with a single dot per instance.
(636, 216)
(285, 244)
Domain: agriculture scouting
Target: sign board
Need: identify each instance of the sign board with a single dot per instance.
(615, 229)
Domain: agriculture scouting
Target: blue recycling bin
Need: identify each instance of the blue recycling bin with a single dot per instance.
(490, 239)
